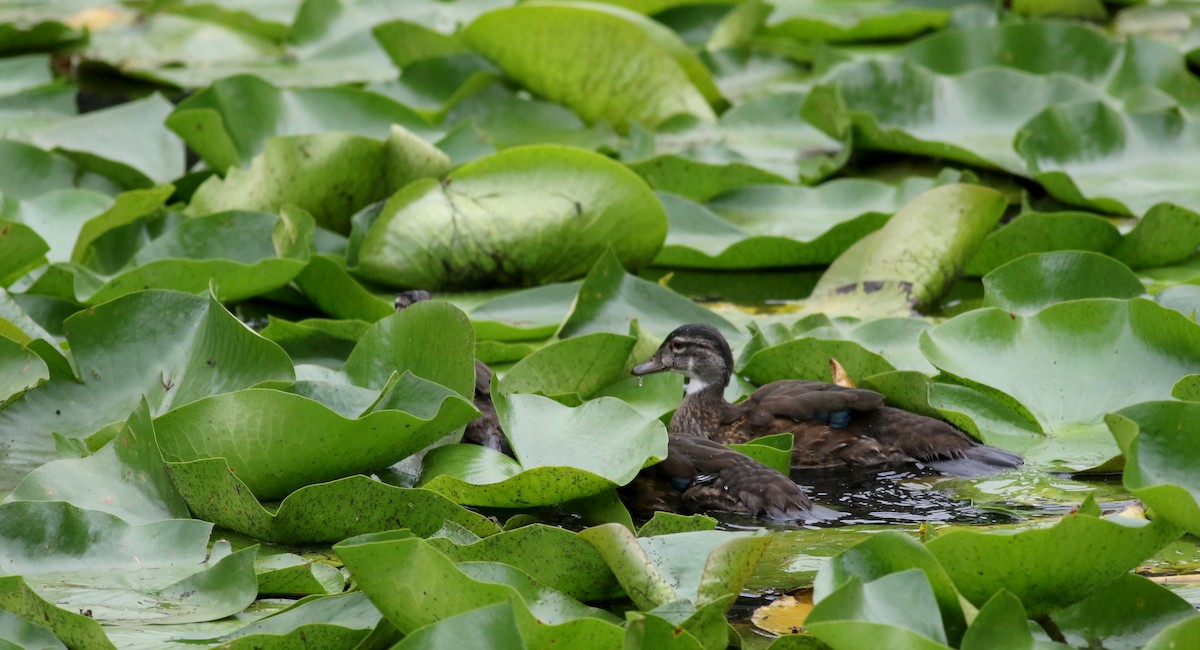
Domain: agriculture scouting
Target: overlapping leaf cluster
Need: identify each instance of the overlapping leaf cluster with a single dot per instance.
(302, 160)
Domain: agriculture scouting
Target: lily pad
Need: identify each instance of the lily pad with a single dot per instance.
(549, 469)
(897, 610)
(322, 174)
(972, 118)
(230, 122)
(1126, 614)
(172, 348)
(637, 70)
(1030, 283)
(315, 514)
(1158, 442)
(524, 216)
(926, 245)
(22, 248)
(327, 283)
(160, 572)
(340, 620)
(1034, 232)
(20, 369)
(126, 478)
(1048, 568)
(853, 20)
(1056, 365)
(1088, 154)
(574, 368)
(278, 442)
(767, 226)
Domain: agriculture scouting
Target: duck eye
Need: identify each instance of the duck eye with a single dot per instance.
(677, 346)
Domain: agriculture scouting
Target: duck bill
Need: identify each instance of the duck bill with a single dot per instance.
(649, 367)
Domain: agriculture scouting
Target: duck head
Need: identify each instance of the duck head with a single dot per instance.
(697, 352)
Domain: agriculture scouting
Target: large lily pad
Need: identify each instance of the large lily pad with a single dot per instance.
(524, 216)
(546, 437)
(852, 20)
(925, 245)
(330, 175)
(278, 442)
(897, 610)
(1037, 232)
(315, 514)
(1048, 568)
(172, 348)
(159, 572)
(898, 106)
(1089, 154)
(1029, 283)
(637, 70)
(575, 368)
(1056, 365)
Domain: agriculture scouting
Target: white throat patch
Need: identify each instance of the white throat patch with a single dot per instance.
(693, 386)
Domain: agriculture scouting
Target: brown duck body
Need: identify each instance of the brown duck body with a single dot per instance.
(832, 425)
(700, 475)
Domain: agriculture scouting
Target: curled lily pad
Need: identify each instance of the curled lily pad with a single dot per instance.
(170, 348)
(230, 121)
(1089, 154)
(895, 610)
(295, 441)
(546, 437)
(854, 20)
(898, 106)
(322, 174)
(925, 245)
(1159, 444)
(604, 62)
(1034, 232)
(1056, 365)
(20, 369)
(524, 216)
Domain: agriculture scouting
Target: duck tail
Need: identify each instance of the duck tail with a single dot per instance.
(978, 460)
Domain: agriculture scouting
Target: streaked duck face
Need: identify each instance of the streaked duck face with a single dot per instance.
(697, 352)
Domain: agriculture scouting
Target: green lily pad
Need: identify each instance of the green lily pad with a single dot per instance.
(1048, 568)
(528, 215)
(1033, 232)
(1030, 283)
(127, 143)
(764, 133)
(340, 621)
(160, 572)
(853, 20)
(22, 248)
(1166, 234)
(610, 300)
(297, 441)
(23, 634)
(56, 218)
(767, 225)
(321, 513)
(505, 118)
(33, 171)
(556, 557)
(575, 368)
(700, 567)
(20, 369)
(474, 628)
(546, 437)
(897, 610)
(1126, 614)
(125, 478)
(394, 570)
(319, 341)
(229, 122)
(322, 174)
(1003, 619)
(972, 118)
(636, 70)
(172, 348)
(533, 313)
(877, 557)
(1125, 69)
(1088, 154)
(1156, 438)
(1173, 636)
(1056, 365)
(22, 601)
(327, 283)
(287, 574)
(926, 244)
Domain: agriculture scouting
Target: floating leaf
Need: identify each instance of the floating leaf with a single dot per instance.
(340, 620)
(1158, 441)
(896, 610)
(926, 244)
(524, 216)
(330, 175)
(20, 369)
(321, 513)
(854, 20)
(1057, 365)
(172, 348)
(1126, 614)
(1030, 283)
(636, 70)
(556, 370)
(1033, 232)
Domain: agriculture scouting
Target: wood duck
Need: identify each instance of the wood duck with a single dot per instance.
(832, 425)
(700, 475)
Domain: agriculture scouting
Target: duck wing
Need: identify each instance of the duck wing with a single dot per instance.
(777, 406)
(934, 442)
